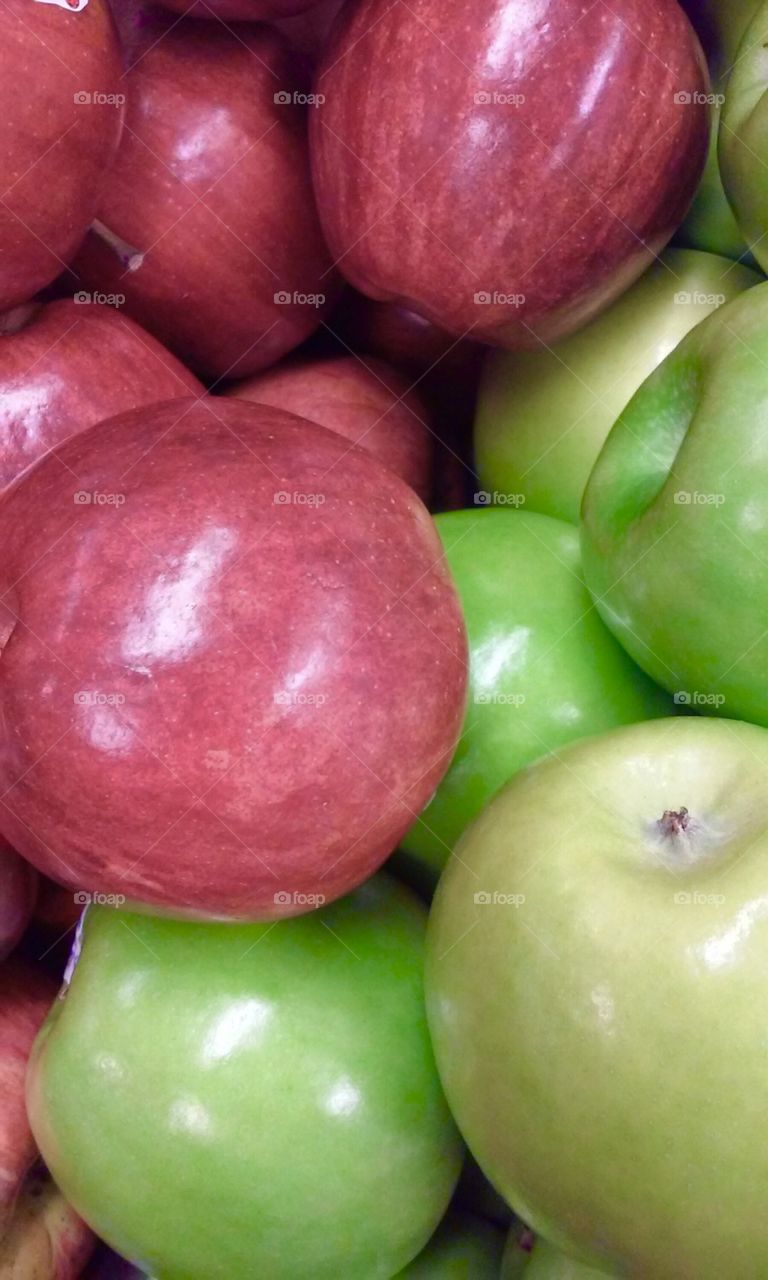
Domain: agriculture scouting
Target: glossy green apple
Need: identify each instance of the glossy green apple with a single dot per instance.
(463, 1248)
(596, 992)
(222, 1102)
(743, 139)
(543, 415)
(543, 668)
(675, 530)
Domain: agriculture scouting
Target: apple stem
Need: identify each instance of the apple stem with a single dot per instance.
(128, 255)
(674, 821)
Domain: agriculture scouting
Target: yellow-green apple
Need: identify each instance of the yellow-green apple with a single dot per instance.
(675, 528)
(596, 996)
(250, 1100)
(543, 416)
(743, 139)
(546, 1263)
(464, 1247)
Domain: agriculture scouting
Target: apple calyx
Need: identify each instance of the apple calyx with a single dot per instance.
(130, 257)
(17, 318)
(674, 821)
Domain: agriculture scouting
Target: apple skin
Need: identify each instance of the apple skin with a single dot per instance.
(210, 711)
(548, 1263)
(68, 366)
(46, 1240)
(544, 670)
(365, 401)
(430, 198)
(212, 186)
(53, 143)
(674, 538)
(26, 995)
(543, 416)
(463, 1248)
(18, 889)
(579, 1032)
(743, 139)
(242, 1100)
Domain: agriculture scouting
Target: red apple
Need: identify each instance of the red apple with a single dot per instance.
(308, 30)
(208, 225)
(68, 364)
(366, 402)
(46, 1240)
(506, 169)
(18, 883)
(234, 662)
(26, 995)
(60, 103)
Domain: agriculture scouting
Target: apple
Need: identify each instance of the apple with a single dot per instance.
(61, 106)
(18, 886)
(208, 225)
(463, 1248)
(543, 416)
(46, 1240)
(517, 1255)
(544, 670)
(506, 170)
(234, 662)
(674, 534)
(26, 995)
(363, 400)
(595, 987)
(546, 1263)
(743, 139)
(250, 1100)
(67, 365)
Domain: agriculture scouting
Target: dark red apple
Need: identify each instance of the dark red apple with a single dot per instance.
(308, 31)
(66, 365)
(60, 104)
(46, 1240)
(26, 995)
(208, 225)
(234, 662)
(366, 402)
(18, 884)
(506, 169)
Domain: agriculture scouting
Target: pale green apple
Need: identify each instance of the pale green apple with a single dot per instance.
(597, 996)
(675, 527)
(548, 1263)
(543, 415)
(464, 1247)
(743, 138)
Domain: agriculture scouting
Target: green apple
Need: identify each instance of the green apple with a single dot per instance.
(596, 991)
(544, 670)
(743, 138)
(222, 1102)
(548, 1263)
(675, 530)
(462, 1248)
(543, 415)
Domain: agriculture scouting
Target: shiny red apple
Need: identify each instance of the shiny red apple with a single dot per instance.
(18, 884)
(26, 995)
(208, 224)
(234, 662)
(45, 1240)
(61, 107)
(68, 364)
(365, 401)
(506, 169)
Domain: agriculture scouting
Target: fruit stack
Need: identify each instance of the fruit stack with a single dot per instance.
(383, 639)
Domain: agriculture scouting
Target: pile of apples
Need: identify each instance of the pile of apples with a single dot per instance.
(383, 639)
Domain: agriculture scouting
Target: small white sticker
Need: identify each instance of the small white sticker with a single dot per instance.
(72, 6)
